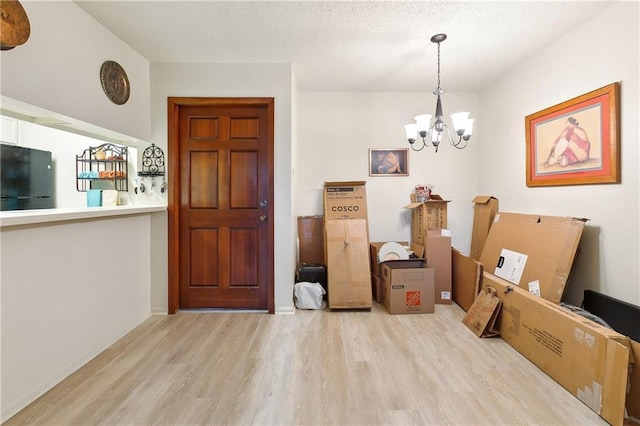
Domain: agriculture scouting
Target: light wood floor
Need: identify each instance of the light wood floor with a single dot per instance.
(311, 368)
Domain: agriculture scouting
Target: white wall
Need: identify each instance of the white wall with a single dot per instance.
(602, 51)
(69, 291)
(335, 133)
(230, 80)
(58, 69)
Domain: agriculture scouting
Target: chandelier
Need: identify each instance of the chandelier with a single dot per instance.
(432, 134)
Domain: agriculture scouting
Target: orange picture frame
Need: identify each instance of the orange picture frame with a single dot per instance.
(575, 142)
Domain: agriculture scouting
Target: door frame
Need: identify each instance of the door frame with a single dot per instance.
(173, 174)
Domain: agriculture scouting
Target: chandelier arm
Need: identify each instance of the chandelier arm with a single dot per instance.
(459, 144)
(412, 145)
(424, 139)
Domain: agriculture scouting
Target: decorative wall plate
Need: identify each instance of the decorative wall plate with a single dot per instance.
(14, 25)
(115, 82)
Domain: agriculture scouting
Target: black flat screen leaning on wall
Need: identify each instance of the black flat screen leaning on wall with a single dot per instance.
(25, 178)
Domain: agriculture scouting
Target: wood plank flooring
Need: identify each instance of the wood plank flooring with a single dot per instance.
(312, 368)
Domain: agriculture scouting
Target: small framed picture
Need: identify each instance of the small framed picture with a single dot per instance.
(389, 162)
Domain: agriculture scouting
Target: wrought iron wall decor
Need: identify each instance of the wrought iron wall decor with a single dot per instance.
(153, 165)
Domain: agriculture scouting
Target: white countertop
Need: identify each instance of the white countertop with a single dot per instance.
(27, 217)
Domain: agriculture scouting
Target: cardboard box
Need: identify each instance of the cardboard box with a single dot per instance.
(633, 397)
(485, 208)
(431, 214)
(310, 239)
(345, 200)
(587, 359)
(438, 254)
(374, 248)
(348, 269)
(376, 273)
(466, 279)
(376, 288)
(408, 287)
(534, 252)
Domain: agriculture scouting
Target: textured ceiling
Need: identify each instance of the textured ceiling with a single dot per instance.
(346, 45)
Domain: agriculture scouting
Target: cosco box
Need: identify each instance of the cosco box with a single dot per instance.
(345, 200)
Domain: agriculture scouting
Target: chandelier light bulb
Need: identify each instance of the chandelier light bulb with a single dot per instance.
(411, 130)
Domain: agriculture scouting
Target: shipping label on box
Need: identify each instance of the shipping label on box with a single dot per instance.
(510, 265)
(345, 200)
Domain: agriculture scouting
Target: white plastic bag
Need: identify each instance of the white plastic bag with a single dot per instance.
(308, 295)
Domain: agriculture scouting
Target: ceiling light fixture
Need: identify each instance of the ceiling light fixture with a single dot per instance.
(462, 124)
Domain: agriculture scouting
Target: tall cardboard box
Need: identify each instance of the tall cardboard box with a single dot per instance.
(430, 214)
(438, 254)
(348, 268)
(408, 287)
(345, 200)
(589, 360)
(485, 208)
(532, 251)
(310, 239)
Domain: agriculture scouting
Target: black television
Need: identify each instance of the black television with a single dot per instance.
(25, 178)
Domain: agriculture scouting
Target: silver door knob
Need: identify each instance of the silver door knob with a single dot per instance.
(263, 218)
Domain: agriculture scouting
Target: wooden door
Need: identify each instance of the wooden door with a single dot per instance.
(221, 203)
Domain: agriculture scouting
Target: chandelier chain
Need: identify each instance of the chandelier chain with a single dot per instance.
(439, 89)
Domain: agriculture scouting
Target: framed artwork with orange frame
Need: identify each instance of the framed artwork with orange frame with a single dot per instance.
(575, 142)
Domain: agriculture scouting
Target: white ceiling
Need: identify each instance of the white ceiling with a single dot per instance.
(348, 45)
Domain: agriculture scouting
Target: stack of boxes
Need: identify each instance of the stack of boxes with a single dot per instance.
(416, 285)
(429, 230)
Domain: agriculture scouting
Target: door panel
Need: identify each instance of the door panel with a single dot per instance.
(203, 266)
(203, 179)
(244, 180)
(221, 207)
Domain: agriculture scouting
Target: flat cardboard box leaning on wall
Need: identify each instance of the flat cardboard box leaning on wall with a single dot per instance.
(532, 251)
(587, 359)
(485, 208)
(466, 279)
